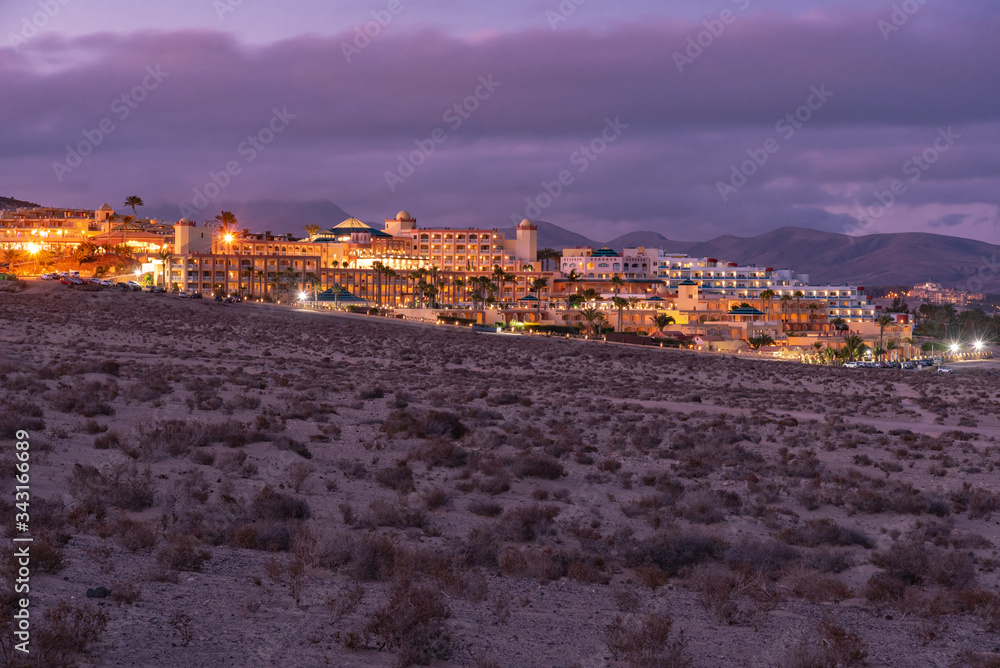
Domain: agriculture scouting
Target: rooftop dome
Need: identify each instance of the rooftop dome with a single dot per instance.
(185, 221)
(527, 225)
(404, 215)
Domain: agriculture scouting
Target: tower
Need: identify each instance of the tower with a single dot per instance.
(526, 248)
(403, 222)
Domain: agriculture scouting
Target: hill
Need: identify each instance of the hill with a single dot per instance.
(876, 259)
(266, 215)
(9, 204)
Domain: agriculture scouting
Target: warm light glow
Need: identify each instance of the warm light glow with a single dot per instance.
(978, 345)
(954, 347)
(33, 248)
(228, 238)
(303, 295)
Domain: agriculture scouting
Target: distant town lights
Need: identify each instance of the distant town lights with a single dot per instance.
(954, 347)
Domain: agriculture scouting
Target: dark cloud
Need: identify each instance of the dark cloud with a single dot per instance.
(556, 90)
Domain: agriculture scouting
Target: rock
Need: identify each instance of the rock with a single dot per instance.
(98, 592)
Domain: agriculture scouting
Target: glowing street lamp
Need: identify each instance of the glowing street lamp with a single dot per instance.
(954, 348)
(978, 345)
(303, 296)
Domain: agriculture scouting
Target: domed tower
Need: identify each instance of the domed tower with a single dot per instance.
(403, 222)
(526, 248)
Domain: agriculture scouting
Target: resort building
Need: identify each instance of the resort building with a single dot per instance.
(61, 230)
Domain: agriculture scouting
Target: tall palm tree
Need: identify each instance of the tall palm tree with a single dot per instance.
(226, 224)
(312, 230)
(111, 220)
(573, 278)
(798, 304)
(166, 257)
(617, 283)
(457, 286)
(591, 295)
(765, 300)
(883, 321)
(132, 201)
(620, 304)
(785, 300)
(247, 271)
(536, 287)
(377, 271)
(312, 281)
(591, 315)
(498, 276)
(259, 276)
(839, 324)
(812, 311)
(12, 255)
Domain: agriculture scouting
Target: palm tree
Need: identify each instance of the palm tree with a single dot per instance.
(620, 304)
(591, 315)
(883, 321)
(785, 299)
(377, 271)
(662, 321)
(536, 287)
(227, 222)
(134, 201)
(812, 311)
(573, 301)
(591, 295)
(458, 284)
(247, 271)
(12, 255)
(891, 346)
(111, 219)
(572, 278)
(818, 346)
(798, 304)
(500, 276)
(839, 324)
(312, 230)
(765, 300)
(617, 283)
(312, 281)
(166, 257)
(259, 275)
(854, 345)
(545, 255)
(762, 340)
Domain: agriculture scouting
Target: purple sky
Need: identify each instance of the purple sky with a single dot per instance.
(894, 97)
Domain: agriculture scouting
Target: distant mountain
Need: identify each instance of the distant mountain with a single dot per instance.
(9, 204)
(265, 215)
(877, 259)
(552, 236)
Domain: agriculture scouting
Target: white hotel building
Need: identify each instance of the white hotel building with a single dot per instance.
(723, 278)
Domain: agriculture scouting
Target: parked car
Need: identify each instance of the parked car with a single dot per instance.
(218, 298)
(158, 290)
(183, 294)
(196, 295)
(945, 369)
(851, 365)
(134, 286)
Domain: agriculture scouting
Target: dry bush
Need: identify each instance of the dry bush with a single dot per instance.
(122, 486)
(647, 642)
(825, 532)
(672, 549)
(87, 399)
(398, 477)
(411, 624)
(440, 452)
(435, 497)
(626, 598)
(535, 465)
(17, 414)
(538, 563)
(374, 557)
(345, 602)
(424, 425)
(527, 523)
(817, 588)
(275, 506)
(736, 598)
(127, 592)
(494, 484)
(182, 552)
(67, 634)
(765, 556)
(832, 647)
(235, 463)
(702, 507)
(482, 546)
(133, 536)
(385, 513)
(298, 473)
(914, 563)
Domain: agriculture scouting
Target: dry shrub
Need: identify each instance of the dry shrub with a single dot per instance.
(272, 505)
(235, 463)
(182, 552)
(287, 443)
(817, 588)
(345, 602)
(440, 452)
(398, 477)
(626, 598)
(538, 563)
(396, 514)
(411, 624)
(647, 642)
(494, 484)
(482, 546)
(703, 507)
(107, 441)
(526, 523)
(374, 557)
(19, 414)
(767, 556)
(589, 570)
(969, 659)
(914, 563)
(825, 532)
(884, 588)
(127, 592)
(738, 598)
(67, 633)
(264, 536)
(672, 549)
(535, 465)
(435, 497)
(86, 399)
(298, 473)
(133, 536)
(424, 425)
(832, 647)
(122, 486)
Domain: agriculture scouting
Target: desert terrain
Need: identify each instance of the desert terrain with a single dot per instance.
(250, 485)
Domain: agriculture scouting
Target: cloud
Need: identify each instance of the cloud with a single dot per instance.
(686, 131)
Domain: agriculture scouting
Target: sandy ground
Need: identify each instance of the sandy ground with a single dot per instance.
(264, 486)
